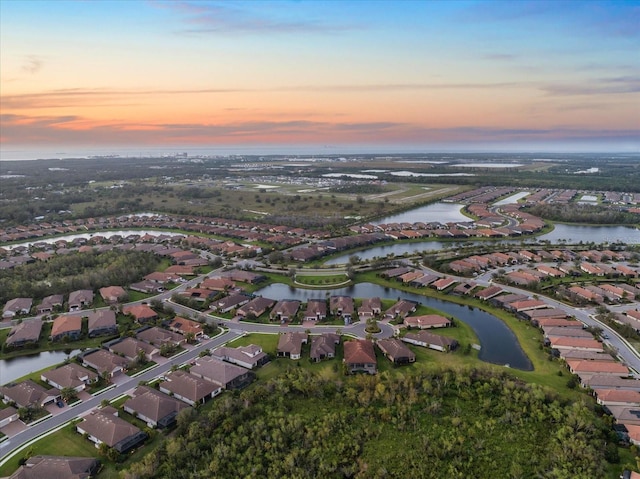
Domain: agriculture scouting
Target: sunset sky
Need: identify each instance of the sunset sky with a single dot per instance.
(332, 75)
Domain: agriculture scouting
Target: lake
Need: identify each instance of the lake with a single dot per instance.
(499, 343)
(14, 368)
(441, 212)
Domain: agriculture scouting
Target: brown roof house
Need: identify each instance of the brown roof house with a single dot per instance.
(226, 304)
(396, 351)
(290, 344)
(29, 394)
(57, 467)
(113, 294)
(427, 321)
(256, 307)
(284, 310)
(8, 415)
(229, 376)
(370, 307)
(343, 307)
(50, 303)
(160, 337)
(316, 310)
(16, 307)
(102, 322)
(80, 299)
(142, 313)
(324, 346)
(27, 332)
(189, 388)
(155, 408)
(249, 357)
(431, 341)
(132, 349)
(359, 356)
(186, 326)
(401, 309)
(71, 376)
(104, 426)
(105, 362)
(66, 327)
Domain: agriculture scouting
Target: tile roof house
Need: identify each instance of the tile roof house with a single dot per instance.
(586, 367)
(16, 307)
(395, 351)
(249, 357)
(50, 303)
(316, 310)
(130, 348)
(57, 467)
(257, 307)
(80, 299)
(401, 309)
(284, 310)
(28, 394)
(189, 388)
(431, 341)
(370, 307)
(427, 321)
(323, 346)
(66, 327)
(159, 337)
(359, 356)
(290, 344)
(584, 344)
(141, 312)
(113, 294)
(226, 304)
(27, 332)
(71, 376)
(104, 426)
(104, 361)
(102, 322)
(186, 326)
(342, 306)
(617, 397)
(8, 415)
(229, 376)
(155, 408)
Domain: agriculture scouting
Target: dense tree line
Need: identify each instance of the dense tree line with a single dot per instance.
(576, 213)
(456, 424)
(65, 273)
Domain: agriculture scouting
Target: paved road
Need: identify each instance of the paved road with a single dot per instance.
(41, 428)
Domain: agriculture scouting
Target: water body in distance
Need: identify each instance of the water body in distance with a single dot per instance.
(14, 368)
(499, 343)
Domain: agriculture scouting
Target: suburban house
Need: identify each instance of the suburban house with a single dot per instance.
(80, 299)
(29, 394)
(155, 408)
(102, 322)
(431, 341)
(584, 344)
(284, 310)
(488, 293)
(244, 276)
(427, 321)
(186, 326)
(50, 303)
(218, 284)
(370, 307)
(132, 348)
(617, 397)
(104, 426)
(343, 307)
(323, 346)
(16, 307)
(227, 375)
(72, 376)
(66, 327)
(583, 367)
(401, 309)
(105, 362)
(198, 294)
(162, 278)
(228, 303)
(316, 310)
(62, 467)
(147, 287)
(396, 351)
(27, 332)
(443, 283)
(8, 415)
(141, 312)
(290, 344)
(189, 388)
(359, 356)
(113, 294)
(249, 357)
(257, 307)
(159, 337)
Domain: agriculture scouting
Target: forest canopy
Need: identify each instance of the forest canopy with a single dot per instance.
(456, 424)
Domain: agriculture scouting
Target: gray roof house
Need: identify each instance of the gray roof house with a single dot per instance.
(189, 388)
(57, 467)
(70, 375)
(27, 332)
(102, 322)
(229, 376)
(28, 394)
(104, 426)
(16, 307)
(155, 408)
(80, 299)
(249, 357)
(323, 346)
